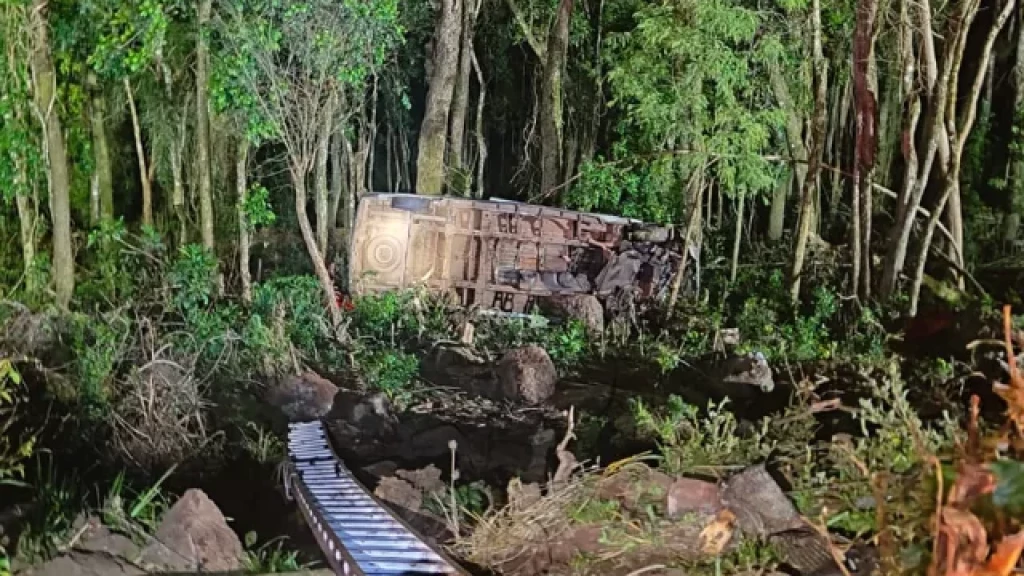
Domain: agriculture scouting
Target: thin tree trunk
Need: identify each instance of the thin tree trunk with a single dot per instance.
(481, 139)
(244, 232)
(817, 143)
(101, 151)
(319, 267)
(388, 157)
(957, 135)
(338, 177)
(203, 128)
(28, 216)
(372, 139)
(838, 184)
(865, 91)
(1015, 169)
(935, 134)
(794, 126)
(177, 175)
(777, 219)
(737, 239)
(45, 101)
(351, 189)
(693, 225)
(551, 99)
(321, 191)
(147, 189)
(926, 244)
(460, 104)
(434, 129)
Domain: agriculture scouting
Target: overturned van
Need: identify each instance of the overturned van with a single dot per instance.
(505, 255)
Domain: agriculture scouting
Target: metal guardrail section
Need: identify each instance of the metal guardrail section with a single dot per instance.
(357, 533)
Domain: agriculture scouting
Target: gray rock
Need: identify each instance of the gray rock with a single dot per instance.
(527, 375)
(195, 536)
(304, 397)
(583, 307)
(85, 564)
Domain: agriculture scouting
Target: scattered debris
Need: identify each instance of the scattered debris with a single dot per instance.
(688, 495)
(399, 492)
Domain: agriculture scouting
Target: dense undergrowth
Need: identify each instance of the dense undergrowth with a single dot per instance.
(161, 376)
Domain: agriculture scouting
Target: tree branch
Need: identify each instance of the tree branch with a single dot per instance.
(539, 49)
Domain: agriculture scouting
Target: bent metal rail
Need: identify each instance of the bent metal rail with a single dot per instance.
(358, 535)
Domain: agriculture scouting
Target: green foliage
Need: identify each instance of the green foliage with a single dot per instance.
(58, 497)
(13, 451)
(193, 280)
(296, 303)
(258, 211)
(98, 343)
(894, 444)
(131, 35)
(686, 80)
(617, 189)
(276, 61)
(388, 370)
(124, 510)
(690, 440)
(118, 265)
(270, 557)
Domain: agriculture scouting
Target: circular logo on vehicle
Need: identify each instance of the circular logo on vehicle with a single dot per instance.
(383, 254)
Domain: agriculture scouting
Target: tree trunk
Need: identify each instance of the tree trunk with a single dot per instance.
(244, 232)
(814, 161)
(338, 177)
(100, 149)
(203, 128)
(460, 105)
(737, 240)
(319, 267)
(935, 133)
(352, 195)
(28, 216)
(551, 99)
(481, 139)
(794, 126)
(322, 201)
(45, 96)
(434, 129)
(777, 219)
(956, 135)
(177, 169)
(865, 91)
(140, 152)
(371, 140)
(693, 225)
(1015, 171)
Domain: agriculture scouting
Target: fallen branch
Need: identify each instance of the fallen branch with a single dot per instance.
(567, 463)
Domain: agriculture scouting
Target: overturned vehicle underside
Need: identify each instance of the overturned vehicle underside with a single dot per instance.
(507, 256)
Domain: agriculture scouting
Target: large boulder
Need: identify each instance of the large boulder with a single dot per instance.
(585, 308)
(303, 397)
(194, 536)
(527, 375)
